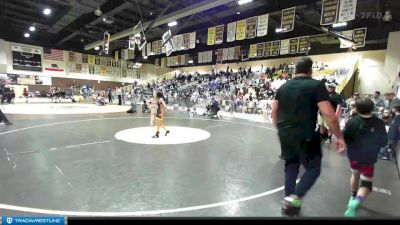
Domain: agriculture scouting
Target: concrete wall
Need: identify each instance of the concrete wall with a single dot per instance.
(392, 60)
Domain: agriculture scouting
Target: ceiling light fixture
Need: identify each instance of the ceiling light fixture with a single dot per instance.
(27, 35)
(47, 11)
(97, 48)
(190, 61)
(145, 57)
(242, 2)
(278, 30)
(343, 24)
(32, 28)
(238, 13)
(173, 23)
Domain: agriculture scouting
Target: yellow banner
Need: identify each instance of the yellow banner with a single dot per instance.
(91, 59)
(116, 55)
(253, 51)
(211, 36)
(241, 27)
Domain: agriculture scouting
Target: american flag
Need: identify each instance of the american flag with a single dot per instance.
(54, 54)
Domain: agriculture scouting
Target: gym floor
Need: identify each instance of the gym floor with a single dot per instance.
(76, 165)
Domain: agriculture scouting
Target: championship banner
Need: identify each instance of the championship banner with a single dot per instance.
(92, 58)
(210, 56)
(85, 69)
(169, 47)
(285, 47)
(211, 36)
(192, 44)
(77, 57)
(84, 58)
(220, 55)
(179, 43)
(262, 25)
(275, 48)
(97, 59)
(359, 36)
(329, 11)
(253, 51)
(103, 70)
(148, 51)
(219, 34)
(200, 57)
(183, 60)
(237, 52)
(225, 54)
(116, 56)
(159, 48)
(231, 53)
(294, 45)
(303, 44)
(157, 63)
(260, 49)
(347, 10)
(175, 42)
(176, 60)
(26, 57)
(205, 57)
(251, 27)
(164, 62)
(163, 49)
(349, 35)
(186, 41)
(287, 22)
(231, 32)
(241, 30)
(267, 49)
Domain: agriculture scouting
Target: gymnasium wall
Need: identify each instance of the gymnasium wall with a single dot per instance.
(372, 76)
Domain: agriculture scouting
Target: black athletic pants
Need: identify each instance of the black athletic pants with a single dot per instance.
(307, 153)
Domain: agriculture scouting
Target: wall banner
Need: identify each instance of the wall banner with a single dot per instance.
(253, 51)
(186, 41)
(303, 44)
(231, 32)
(260, 49)
(262, 25)
(220, 55)
(231, 53)
(225, 53)
(329, 12)
(219, 34)
(267, 49)
(251, 27)
(211, 36)
(192, 43)
(275, 48)
(287, 22)
(347, 10)
(359, 36)
(241, 30)
(294, 45)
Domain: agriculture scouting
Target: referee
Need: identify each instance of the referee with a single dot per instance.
(294, 112)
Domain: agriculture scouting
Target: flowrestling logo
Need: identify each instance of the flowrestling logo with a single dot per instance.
(12, 220)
